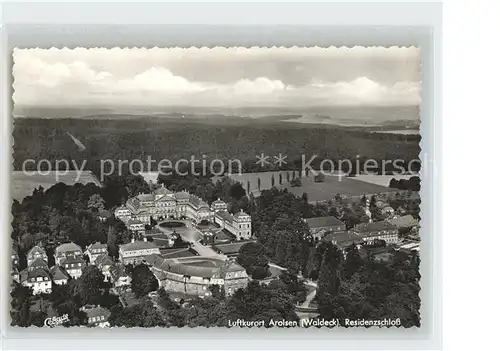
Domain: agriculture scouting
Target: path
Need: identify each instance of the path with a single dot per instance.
(192, 235)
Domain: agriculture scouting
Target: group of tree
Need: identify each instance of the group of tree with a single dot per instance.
(253, 257)
(360, 287)
(406, 184)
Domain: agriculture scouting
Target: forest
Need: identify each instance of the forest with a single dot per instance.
(158, 138)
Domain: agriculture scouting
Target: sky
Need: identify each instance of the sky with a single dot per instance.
(217, 77)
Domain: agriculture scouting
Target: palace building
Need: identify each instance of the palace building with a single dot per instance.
(165, 204)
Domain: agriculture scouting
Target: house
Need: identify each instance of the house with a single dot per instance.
(104, 263)
(239, 224)
(97, 316)
(136, 225)
(59, 275)
(407, 221)
(319, 226)
(65, 250)
(96, 249)
(377, 231)
(119, 277)
(36, 252)
(343, 239)
(73, 264)
(135, 251)
(37, 279)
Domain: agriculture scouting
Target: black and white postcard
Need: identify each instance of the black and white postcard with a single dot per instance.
(253, 187)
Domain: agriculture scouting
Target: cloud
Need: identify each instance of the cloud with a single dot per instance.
(45, 77)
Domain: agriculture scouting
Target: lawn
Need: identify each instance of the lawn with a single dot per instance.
(334, 185)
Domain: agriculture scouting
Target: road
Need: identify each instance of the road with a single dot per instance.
(190, 234)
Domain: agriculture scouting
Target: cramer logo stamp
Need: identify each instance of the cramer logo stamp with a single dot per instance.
(55, 321)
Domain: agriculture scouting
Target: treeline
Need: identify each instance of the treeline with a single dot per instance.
(406, 184)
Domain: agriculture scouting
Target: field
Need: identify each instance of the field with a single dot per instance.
(334, 185)
(23, 184)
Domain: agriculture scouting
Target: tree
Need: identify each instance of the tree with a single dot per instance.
(272, 180)
(112, 247)
(281, 178)
(164, 300)
(252, 257)
(89, 285)
(143, 280)
(328, 280)
(96, 203)
(236, 191)
(258, 183)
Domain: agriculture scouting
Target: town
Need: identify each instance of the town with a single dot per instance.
(178, 248)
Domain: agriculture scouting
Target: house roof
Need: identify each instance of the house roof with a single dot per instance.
(118, 271)
(226, 216)
(34, 273)
(197, 202)
(102, 260)
(218, 202)
(162, 191)
(36, 249)
(231, 266)
(240, 214)
(231, 248)
(322, 222)
(182, 195)
(404, 221)
(343, 237)
(97, 245)
(138, 245)
(38, 262)
(366, 228)
(67, 247)
(145, 197)
(97, 312)
(58, 273)
(72, 259)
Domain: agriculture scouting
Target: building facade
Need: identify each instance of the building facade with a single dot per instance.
(94, 250)
(320, 226)
(135, 251)
(163, 204)
(184, 275)
(65, 250)
(239, 224)
(370, 232)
